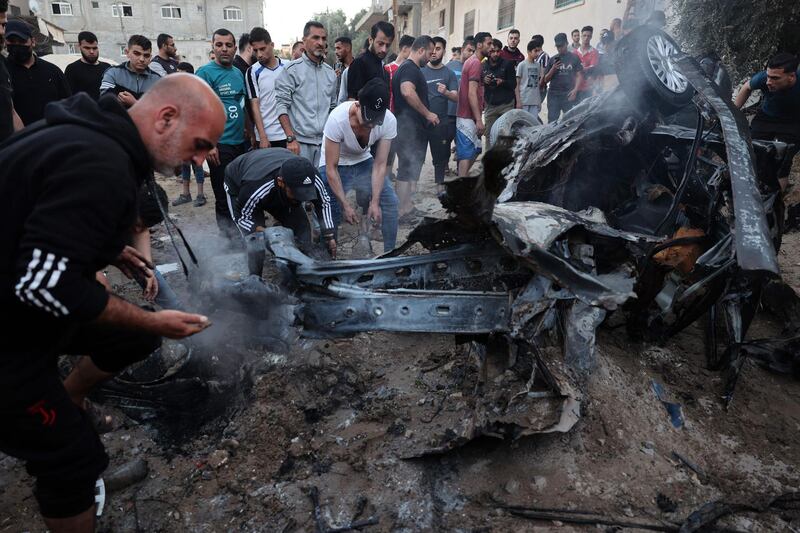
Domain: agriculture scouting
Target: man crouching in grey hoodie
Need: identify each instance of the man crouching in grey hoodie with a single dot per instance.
(305, 93)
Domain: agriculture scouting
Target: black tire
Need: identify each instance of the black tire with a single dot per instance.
(646, 73)
(510, 123)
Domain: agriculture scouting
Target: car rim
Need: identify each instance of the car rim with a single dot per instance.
(661, 52)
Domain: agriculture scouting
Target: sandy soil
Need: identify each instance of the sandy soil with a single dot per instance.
(335, 414)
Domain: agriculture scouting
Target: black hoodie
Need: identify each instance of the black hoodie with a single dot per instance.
(68, 189)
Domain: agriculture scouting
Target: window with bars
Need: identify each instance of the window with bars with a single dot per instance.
(505, 14)
(232, 13)
(560, 4)
(61, 8)
(469, 23)
(121, 10)
(442, 15)
(170, 12)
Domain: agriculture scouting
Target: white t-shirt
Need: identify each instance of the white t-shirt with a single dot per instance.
(260, 82)
(338, 129)
(529, 75)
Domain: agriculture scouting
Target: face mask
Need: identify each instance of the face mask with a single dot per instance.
(19, 53)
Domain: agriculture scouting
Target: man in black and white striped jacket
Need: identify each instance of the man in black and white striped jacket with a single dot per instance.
(68, 202)
(276, 181)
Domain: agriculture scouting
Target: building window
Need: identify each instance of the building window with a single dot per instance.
(505, 14)
(561, 4)
(199, 9)
(469, 23)
(170, 12)
(95, 5)
(442, 16)
(61, 8)
(232, 13)
(122, 50)
(72, 48)
(125, 9)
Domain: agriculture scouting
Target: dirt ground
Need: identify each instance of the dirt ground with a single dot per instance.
(334, 415)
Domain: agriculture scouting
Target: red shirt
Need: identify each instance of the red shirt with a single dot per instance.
(515, 57)
(471, 71)
(590, 58)
(391, 68)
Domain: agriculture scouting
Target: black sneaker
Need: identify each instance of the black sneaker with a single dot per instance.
(182, 199)
(200, 200)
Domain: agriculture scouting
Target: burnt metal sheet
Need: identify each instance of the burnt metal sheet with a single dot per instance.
(754, 248)
(529, 229)
(353, 310)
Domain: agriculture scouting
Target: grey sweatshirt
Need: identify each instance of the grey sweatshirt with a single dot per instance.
(306, 92)
(120, 78)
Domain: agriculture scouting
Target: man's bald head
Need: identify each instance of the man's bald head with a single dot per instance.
(179, 119)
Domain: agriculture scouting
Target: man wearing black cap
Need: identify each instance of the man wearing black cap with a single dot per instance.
(36, 82)
(9, 120)
(278, 182)
(347, 161)
(564, 74)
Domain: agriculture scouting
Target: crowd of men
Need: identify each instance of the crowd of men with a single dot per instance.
(273, 102)
(77, 188)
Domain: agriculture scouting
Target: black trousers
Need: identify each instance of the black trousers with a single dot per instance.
(440, 138)
(227, 153)
(40, 423)
(768, 128)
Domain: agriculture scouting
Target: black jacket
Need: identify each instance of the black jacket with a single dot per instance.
(503, 93)
(68, 189)
(361, 70)
(250, 186)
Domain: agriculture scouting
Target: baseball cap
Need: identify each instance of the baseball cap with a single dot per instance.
(561, 39)
(18, 28)
(299, 174)
(374, 99)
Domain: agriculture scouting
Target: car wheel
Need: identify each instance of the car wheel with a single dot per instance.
(511, 123)
(647, 72)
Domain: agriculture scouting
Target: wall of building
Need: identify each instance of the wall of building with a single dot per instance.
(192, 32)
(530, 17)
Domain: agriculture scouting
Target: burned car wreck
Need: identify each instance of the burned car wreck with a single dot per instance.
(649, 202)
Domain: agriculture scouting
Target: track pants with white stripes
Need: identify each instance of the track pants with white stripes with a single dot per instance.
(40, 424)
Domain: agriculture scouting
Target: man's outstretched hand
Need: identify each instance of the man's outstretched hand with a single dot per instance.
(177, 324)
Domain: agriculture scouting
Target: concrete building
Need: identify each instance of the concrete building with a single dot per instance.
(454, 19)
(49, 36)
(190, 22)
(407, 20)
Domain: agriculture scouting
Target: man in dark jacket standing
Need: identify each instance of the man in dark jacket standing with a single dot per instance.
(67, 212)
(36, 82)
(85, 74)
(369, 65)
(500, 82)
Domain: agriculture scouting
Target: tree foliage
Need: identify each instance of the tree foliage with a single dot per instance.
(745, 33)
(338, 26)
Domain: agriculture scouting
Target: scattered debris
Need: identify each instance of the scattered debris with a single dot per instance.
(126, 475)
(701, 475)
(673, 408)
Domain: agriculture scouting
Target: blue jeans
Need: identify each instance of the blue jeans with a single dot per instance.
(556, 104)
(359, 177)
(186, 173)
(166, 297)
